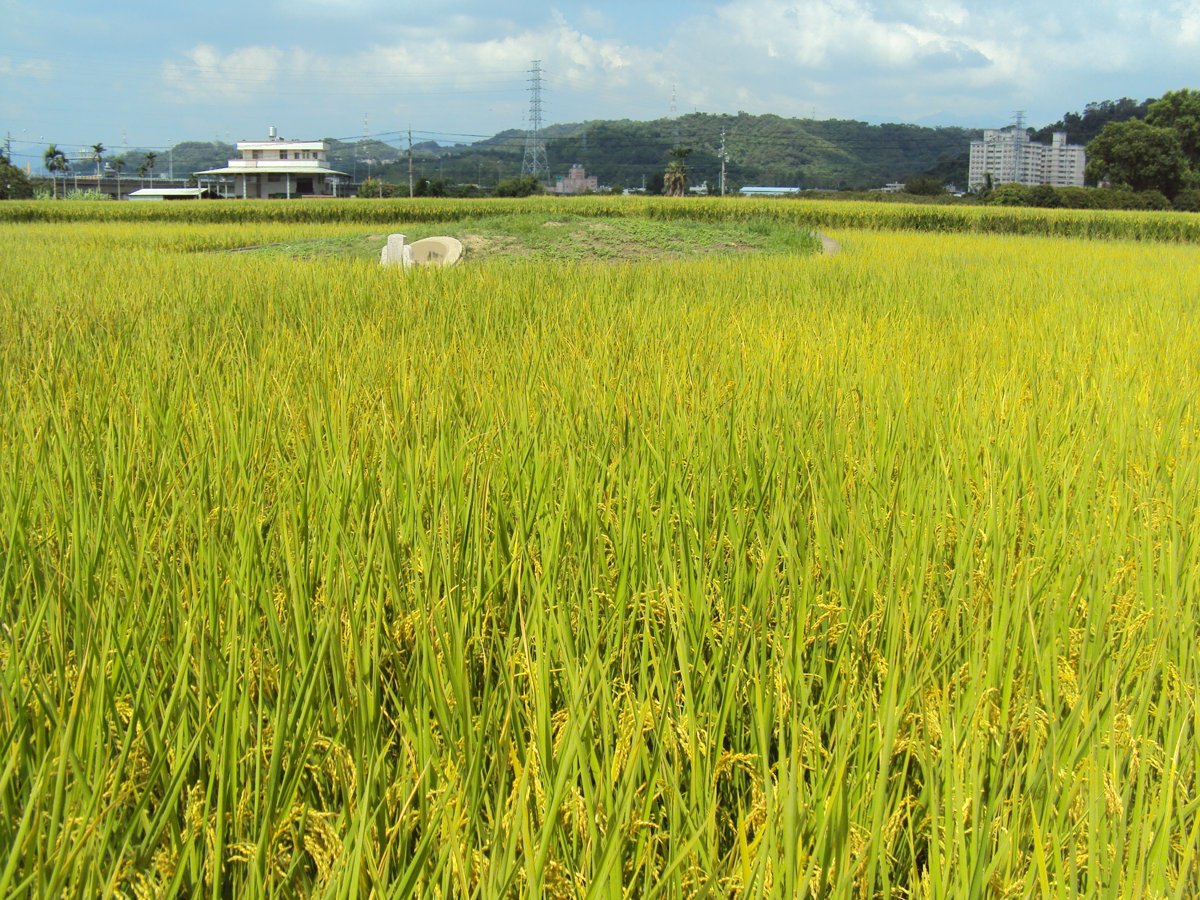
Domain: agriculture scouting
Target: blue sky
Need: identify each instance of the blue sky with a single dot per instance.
(150, 74)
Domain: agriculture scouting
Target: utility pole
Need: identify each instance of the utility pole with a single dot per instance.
(724, 157)
(8, 147)
(366, 131)
(674, 117)
(410, 172)
(171, 163)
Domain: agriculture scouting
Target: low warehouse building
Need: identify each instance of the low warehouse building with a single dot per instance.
(188, 193)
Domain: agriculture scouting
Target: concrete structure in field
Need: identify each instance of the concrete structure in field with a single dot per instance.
(1008, 156)
(171, 193)
(431, 251)
(276, 169)
(761, 191)
(576, 181)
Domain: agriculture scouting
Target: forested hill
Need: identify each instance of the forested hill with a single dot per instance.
(762, 150)
(1082, 127)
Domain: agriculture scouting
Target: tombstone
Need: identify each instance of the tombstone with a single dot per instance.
(396, 252)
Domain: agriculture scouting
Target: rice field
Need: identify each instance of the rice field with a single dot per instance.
(864, 575)
(802, 214)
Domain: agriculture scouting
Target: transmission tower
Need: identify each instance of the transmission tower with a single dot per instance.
(535, 163)
(1021, 137)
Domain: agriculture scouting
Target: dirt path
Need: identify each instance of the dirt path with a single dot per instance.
(828, 245)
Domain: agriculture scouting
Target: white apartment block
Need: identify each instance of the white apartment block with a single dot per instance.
(1009, 156)
(276, 169)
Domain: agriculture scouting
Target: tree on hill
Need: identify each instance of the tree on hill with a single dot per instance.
(1139, 156)
(951, 169)
(1180, 111)
(1083, 127)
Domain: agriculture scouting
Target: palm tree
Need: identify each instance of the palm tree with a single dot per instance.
(55, 161)
(98, 156)
(148, 166)
(676, 176)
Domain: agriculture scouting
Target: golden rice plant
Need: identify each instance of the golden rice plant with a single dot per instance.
(873, 574)
(803, 213)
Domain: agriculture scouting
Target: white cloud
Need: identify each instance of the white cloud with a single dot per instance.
(1189, 23)
(425, 62)
(595, 19)
(206, 74)
(893, 59)
(40, 69)
(828, 31)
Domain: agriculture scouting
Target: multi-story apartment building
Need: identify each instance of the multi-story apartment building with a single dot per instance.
(276, 168)
(1007, 155)
(577, 181)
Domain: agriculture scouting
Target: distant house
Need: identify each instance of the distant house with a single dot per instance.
(576, 181)
(153, 193)
(752, 191)
(276, 169)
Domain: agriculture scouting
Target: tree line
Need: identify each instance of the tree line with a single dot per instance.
(1160, 152)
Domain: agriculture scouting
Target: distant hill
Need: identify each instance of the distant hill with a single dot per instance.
(764, 150)
(192, 156)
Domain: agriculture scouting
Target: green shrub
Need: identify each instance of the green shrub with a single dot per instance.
(1188, 200)
(1010, 195)
(1150, 200)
